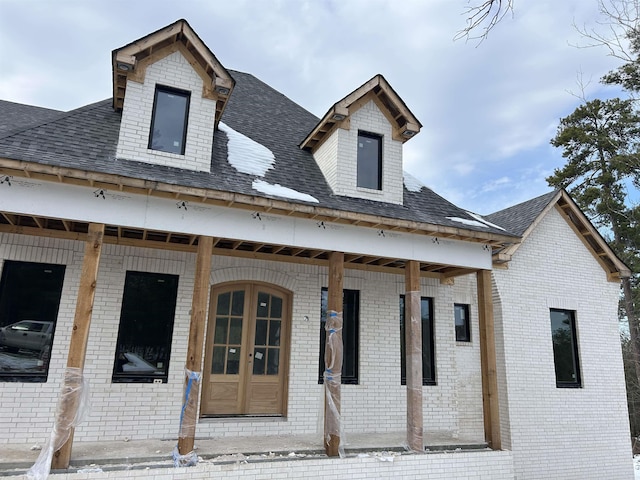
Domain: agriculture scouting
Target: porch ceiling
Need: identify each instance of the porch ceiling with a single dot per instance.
(128, 236)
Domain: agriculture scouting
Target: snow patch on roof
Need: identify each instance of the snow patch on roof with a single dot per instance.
(478, 222)
(466, 221)
(278, 190)
(480, 219)
(412, 183)
(246, 155)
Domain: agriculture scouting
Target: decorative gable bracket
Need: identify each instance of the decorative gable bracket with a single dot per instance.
(130, 63)
(404, 124)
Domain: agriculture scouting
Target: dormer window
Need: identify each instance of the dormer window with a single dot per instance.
(369, 161)
(169, 120)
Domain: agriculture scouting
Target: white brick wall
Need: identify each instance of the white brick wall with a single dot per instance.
(138, 411)
(337, 157)
(172, 71)
(479, 465)
(554, 432)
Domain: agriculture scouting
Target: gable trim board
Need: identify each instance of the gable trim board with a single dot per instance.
(614, 268)
(130, 63)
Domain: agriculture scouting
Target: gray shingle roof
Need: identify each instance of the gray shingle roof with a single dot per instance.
(518, 218)
(86, 139)
(16, 115)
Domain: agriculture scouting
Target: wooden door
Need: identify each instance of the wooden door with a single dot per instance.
(246, 351)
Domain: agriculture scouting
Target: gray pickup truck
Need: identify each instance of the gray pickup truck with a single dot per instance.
(26, 335)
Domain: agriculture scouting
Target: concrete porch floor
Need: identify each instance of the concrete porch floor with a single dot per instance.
(126, 455)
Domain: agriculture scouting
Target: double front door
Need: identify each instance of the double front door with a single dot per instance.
(246, 351)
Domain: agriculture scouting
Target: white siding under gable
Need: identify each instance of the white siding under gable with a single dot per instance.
(172, 71)
(337, 157)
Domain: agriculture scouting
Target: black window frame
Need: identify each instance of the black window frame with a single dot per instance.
(560, 350)
(428, 361)
(170, 91)
(130, 294)
(364, 164)
(45, 309)
(463, 332)
(350, 335)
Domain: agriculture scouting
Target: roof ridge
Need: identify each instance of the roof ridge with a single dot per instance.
(62, 115)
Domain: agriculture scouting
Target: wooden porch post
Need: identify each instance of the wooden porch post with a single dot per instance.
(194, 347)
(413, 355)
(79, 336)
(488, 361)
(333, 356)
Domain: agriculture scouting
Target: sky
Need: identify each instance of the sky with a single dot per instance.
(488, 109)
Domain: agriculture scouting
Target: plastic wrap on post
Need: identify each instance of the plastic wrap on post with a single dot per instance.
(333, 378)
(188, 416)
(73, 407)
(188, 460)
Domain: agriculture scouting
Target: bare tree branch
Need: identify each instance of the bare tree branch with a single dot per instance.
(619, 20)
(483, 17)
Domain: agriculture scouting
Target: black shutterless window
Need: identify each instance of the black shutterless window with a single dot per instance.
(462, 323)
(169, 120)
(350, 332)
(29, 301)
(565, 348)
(369, 168)
(146, 327)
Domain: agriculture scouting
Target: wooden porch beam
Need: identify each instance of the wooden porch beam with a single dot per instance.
(488, 361)
(413, 353)
(187, 432)
(79, 338)
(333, 356)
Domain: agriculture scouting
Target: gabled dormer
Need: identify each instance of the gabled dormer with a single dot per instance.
(172, 91)
(358, 142)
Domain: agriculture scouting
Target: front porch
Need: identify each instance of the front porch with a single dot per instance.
(372, 455)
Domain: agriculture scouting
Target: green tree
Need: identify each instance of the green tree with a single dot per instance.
(600, 141)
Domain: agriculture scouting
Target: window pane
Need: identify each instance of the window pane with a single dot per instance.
(369, 161)
(259, 360)
(217, 365)
(261, 332)
(463, 330)
(29, 301)
(169, 122)
(146, 327)
(276, 307)
(224, 300)
(273, 361)
(233, 360)
(220, 336)
(235, 332)
(565, 348)
(237, 307)
(350, 334)
(263, 305)
(274, 333)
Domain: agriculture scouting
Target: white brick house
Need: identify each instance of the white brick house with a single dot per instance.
(199, 220)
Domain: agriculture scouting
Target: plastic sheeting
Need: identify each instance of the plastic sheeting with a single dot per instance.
(188, 416)
(73, 407)
(333, 378)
